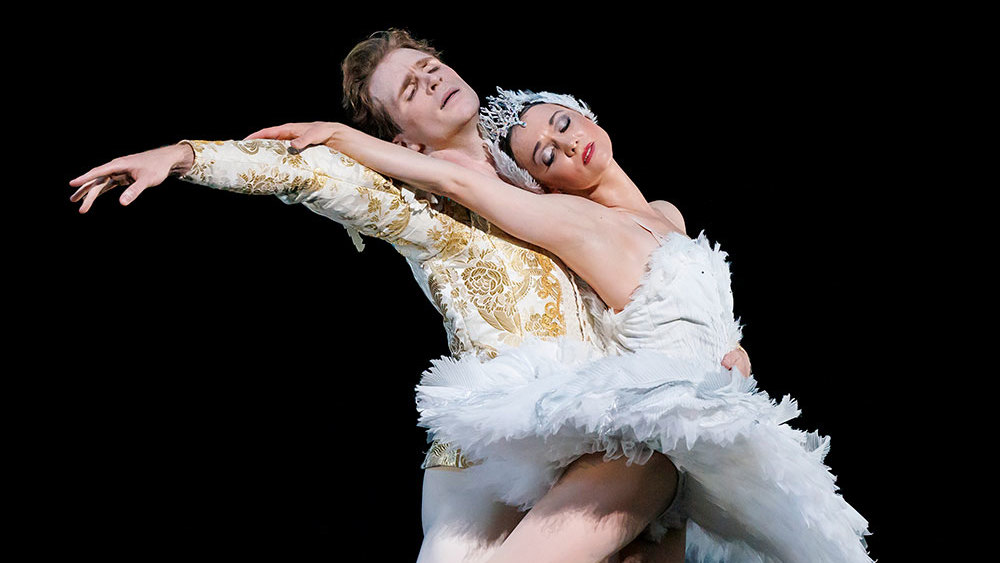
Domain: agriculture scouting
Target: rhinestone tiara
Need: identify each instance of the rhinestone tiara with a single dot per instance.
(502, 112)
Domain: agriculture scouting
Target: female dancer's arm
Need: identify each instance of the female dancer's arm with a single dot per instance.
(556, 222)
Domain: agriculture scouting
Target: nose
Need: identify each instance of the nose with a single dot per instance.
(431, 81)
(570, 146)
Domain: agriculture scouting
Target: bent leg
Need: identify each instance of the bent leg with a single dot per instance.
(594, 510)
(460, 525)
(670, 549)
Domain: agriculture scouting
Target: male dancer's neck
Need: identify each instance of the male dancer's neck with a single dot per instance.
(466, 149)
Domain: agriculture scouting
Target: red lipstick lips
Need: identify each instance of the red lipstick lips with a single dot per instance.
(588, 152)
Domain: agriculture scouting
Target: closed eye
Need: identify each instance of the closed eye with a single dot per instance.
(549, 157)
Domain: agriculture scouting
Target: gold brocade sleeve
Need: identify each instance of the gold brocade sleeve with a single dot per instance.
(330, 184)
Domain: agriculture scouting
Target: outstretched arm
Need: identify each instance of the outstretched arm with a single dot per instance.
(323, 180)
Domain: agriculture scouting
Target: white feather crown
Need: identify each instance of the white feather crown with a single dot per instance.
(502, 112)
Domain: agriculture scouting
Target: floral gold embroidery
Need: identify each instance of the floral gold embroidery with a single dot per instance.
(492, 292)
(438, 279)
(200, 168)
(199, 146)
(448, 239)
(398, 210)
(276, 183)
(536, 268)
(275, 146)
(380, 182)
(551, 323)
(249, 147)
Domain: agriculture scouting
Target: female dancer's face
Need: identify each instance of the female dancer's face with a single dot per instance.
(561, 148)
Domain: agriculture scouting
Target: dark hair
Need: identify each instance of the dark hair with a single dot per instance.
(367, 113)
(504, 142)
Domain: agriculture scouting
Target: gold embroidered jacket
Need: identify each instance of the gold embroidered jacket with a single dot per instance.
(491, 289)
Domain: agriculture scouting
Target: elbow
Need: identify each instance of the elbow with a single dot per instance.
(453, 183)
(451, 188)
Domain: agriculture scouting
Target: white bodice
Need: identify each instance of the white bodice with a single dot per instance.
(682, 307)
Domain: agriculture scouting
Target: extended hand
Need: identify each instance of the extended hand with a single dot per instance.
(137, 171)
(739, 359)
(302, 135)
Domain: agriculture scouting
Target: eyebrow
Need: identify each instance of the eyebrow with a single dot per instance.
(537, 144)
(409, 76)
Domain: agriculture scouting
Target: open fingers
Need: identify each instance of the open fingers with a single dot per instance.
(133, 191)
(113, 167)
(94, 191)
(86, 187)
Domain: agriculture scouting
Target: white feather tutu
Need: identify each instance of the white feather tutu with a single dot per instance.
(756, 489)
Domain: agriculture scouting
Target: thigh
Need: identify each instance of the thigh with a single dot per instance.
(601, 487)
(670, 549)
(596, 508)
(460, 523)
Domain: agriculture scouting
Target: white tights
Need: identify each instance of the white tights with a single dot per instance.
(461, 528)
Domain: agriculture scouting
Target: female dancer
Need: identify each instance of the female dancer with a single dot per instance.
(755, 489)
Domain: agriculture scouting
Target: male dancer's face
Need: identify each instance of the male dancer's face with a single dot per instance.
(428, 100)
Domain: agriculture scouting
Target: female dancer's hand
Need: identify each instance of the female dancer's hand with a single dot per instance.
(739, 359)
(302, 135)
(137, 171)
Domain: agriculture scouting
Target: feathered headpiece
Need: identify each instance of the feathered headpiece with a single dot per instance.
(502, 112)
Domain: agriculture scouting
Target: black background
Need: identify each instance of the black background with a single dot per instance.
(224, 375)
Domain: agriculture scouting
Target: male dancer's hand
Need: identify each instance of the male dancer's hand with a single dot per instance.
(739, 359)
(137, 171)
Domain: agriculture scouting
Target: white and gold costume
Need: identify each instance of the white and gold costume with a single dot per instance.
(492, 290)
(755, 489)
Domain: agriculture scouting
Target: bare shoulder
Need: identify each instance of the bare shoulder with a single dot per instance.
(671, 212)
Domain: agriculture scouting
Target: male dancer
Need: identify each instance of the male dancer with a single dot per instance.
(491, 289)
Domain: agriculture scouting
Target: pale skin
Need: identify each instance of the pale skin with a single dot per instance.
(454, 139)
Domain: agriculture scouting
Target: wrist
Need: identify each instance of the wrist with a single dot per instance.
(338, 132)
(183, 158)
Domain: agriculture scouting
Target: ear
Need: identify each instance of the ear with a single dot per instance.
(402, 141)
